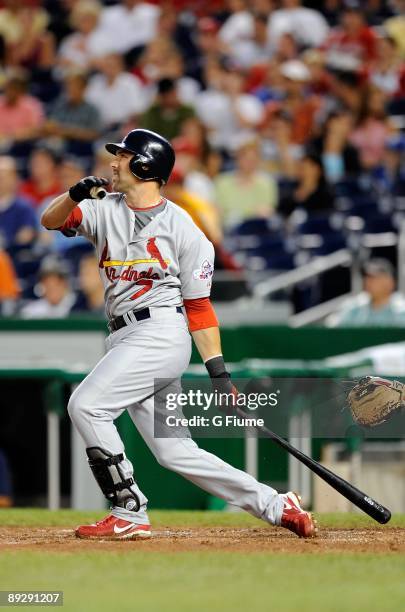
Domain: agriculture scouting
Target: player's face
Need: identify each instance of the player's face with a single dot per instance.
(122, 177)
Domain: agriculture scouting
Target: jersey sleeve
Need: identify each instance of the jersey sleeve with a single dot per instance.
(82, 221)
(196, 260)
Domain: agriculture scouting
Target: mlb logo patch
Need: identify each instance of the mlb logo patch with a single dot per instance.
(205, 272)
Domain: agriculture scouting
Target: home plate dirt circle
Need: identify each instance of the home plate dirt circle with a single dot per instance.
(170, 539)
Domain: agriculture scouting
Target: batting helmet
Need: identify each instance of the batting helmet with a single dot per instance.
(153, 158)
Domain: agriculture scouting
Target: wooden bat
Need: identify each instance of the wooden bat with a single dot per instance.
(370, 506)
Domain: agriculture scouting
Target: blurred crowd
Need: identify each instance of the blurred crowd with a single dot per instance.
(274, 108)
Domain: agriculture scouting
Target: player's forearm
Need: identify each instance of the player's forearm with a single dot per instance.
(208, 342)
(58, 211)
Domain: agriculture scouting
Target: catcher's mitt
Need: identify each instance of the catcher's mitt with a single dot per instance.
(373, 400)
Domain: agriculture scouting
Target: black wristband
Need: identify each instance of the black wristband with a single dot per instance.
(216, 367)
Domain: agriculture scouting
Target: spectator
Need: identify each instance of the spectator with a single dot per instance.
(102, 163)
(301, 107)
(312, 192)
(43, 181)
(378, 305)
(90, 298)
(87, 42)
(372, 128)
(161, 59)
(71, 170)
(21, 115)
(340, 158)
(9, 286)
(24, 29)
(56, 299)
(246, 191)
(238, 26)
(346, 89)
(196, 180)
(209, 48)
(167, 114)
(117, 95)
(266, 82)
(352, 45)
(173, 68)
(72, 120)
(388, 71)
(195, 133)
(203, 213)
(286, 49)
(253, 49)
(307, 26)
(152, 63)
(389, 178)
(395, 26)
(129, 25)
(278, 149)
(229, 115)
(17, 218)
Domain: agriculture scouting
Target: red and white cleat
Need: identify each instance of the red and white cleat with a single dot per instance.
(295, 518)
(113, 528)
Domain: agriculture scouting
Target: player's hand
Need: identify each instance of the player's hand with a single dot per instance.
(82, 189)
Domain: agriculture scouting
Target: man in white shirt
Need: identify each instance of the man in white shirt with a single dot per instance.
(117, 94)
(130, 24)
(230, 115)
(307, 26)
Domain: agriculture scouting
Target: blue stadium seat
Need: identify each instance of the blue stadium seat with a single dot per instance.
(379, 223)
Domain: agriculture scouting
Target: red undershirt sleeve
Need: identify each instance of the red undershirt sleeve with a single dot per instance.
(200, 314)
(72, 222)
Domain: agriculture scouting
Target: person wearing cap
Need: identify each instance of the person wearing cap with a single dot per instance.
(56, 299)
(379, 305)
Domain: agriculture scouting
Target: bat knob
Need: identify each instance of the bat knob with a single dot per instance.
(98, 193)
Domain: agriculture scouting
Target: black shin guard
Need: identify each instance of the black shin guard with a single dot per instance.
(109, 476)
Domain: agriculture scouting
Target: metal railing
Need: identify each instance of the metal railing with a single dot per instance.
(313, 268)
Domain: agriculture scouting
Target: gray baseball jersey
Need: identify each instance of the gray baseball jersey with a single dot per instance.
(166, 261)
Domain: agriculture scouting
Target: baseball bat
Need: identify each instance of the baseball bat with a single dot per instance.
(98, 193)
(370, 506)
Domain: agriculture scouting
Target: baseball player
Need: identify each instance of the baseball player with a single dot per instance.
(153, 261)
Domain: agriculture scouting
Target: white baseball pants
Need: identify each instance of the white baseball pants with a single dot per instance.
(159, 347)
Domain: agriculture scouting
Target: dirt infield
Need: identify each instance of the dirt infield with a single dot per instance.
(169, 539)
